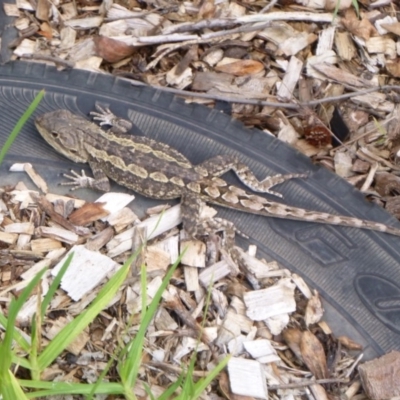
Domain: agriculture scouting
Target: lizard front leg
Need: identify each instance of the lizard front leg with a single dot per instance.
(219, 165)
(99, 182)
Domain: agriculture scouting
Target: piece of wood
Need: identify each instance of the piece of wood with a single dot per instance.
(86, 270)
(246, 378)
(275, 300)
(380, 377)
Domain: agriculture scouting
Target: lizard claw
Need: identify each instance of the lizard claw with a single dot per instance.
(78, 181)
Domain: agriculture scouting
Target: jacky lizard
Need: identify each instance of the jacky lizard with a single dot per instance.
(156, 170)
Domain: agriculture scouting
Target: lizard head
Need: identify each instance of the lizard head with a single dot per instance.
(65, 132)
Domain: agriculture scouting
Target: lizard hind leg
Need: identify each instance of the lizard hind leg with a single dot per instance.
(196, 227)
(219, 165)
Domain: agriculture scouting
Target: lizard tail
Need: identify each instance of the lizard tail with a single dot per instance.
(238, 199)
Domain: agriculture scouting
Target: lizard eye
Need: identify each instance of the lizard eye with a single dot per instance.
(55, 135)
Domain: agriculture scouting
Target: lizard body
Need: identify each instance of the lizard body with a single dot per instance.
(156, 170)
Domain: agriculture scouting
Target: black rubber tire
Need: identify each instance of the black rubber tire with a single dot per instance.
(356, 272)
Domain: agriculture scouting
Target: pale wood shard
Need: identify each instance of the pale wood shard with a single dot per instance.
(258, 268)
(163, 222)
(36, 178)
(262, 351)
(122, 218)
(154, 226)
(230, 328)
(69, 11)
(302, 286)
(384, 45)
(374, 100)
(345, 46)
(45, 245)
(287, 39)
(86, 271)
(194, 253)
(171, 246)
(340, 75)
(32, 271)
(99, 240)
(57, 233)
(11, 10)
(23, 242)
(380, 377)
(156, 259)
(275, 300)
(191, 278)
(26, 46)
(84, 23)
(214, 273)
(9, 238)
(290, 79)
(314, 63)
(163, 321)
(325, 42)
(246, 378)
(343, 164)
(20, 227)
(287, 133)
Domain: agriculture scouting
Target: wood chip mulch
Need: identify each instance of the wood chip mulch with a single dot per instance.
(326, 85)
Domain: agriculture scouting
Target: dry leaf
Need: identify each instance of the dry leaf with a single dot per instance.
(349, 344)
(88, 213)
(241, 67)
(112, 50)
(364, 29)
(313, 355)
(292, 337)
(393, 67)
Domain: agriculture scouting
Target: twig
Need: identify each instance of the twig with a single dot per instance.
(292, 106)
(205, 38)
(306, 383)
(57, 60)
(268, 6)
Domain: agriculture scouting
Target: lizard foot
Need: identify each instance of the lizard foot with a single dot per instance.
(78, 181)
(106, 117)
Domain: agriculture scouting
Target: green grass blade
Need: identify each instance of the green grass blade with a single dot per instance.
(54, 286)
(18, 337)
(21, 122)
(11, 389)
(201, 385)
(129, 368)
(172, 388)
(47, 389)
(356, 7)
(14, 308)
